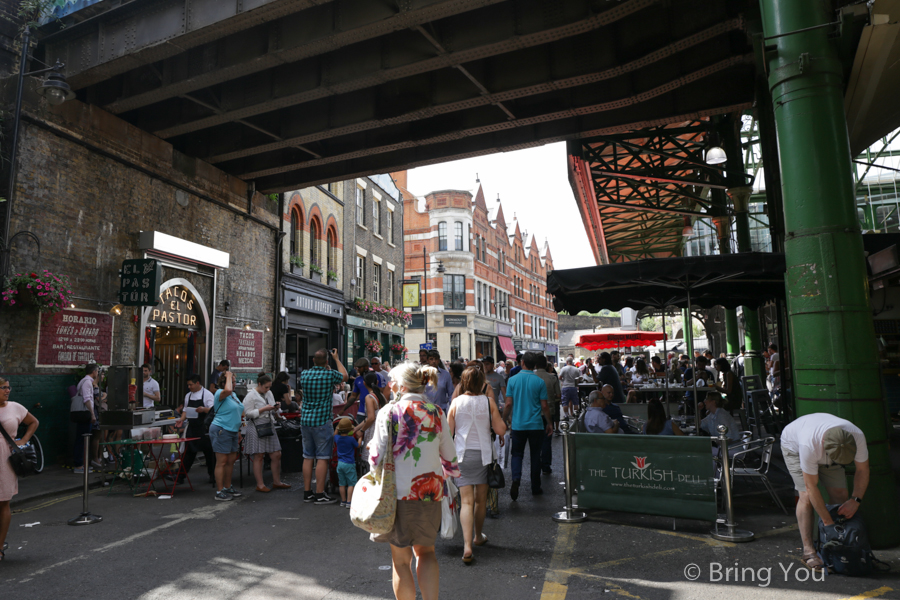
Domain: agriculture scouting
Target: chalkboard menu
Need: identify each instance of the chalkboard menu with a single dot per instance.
(140, 279)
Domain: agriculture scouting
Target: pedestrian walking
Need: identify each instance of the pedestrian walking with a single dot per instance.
(526, 401)
(472, 418)
(424, 455)
(259, 411)
(12, 415)
(224, 434)
(374, 401)
(346, 445)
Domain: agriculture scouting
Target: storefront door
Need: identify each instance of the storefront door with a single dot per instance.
(299, 350)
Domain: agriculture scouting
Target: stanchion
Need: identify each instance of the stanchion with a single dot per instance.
(86, 518)
(569, 515)
(728, 532)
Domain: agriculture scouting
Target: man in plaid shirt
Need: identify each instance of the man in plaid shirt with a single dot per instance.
(318, 384)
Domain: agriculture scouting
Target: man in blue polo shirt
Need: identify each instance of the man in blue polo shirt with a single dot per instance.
(526, 400)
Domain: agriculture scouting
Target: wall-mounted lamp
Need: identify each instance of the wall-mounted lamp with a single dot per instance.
(116, 310)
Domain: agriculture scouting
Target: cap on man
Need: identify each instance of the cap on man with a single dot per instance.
(815, 447)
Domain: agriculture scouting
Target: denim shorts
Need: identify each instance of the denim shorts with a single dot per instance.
(570, 396)
(317, 441)
(223, 441)
(346, 474)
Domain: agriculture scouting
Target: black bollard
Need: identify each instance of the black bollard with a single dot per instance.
(86, 518)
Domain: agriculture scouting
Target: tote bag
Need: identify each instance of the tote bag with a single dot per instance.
(374, 503)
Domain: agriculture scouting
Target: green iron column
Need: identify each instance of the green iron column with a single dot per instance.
(753, 362)
(686, 326)
(833, 338)
(723, 232)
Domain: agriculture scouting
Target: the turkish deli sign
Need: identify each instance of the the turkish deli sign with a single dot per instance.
(72, 338)
(244, 348)
(670, 476)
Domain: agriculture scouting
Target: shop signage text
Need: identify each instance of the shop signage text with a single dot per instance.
(294, 301)
(140, 278)
(456, 321)
(72, 338)
(244, 348)
(370, 324)
(178, 307)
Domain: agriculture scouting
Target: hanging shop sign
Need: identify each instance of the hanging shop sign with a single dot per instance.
(177, 308)
(647, 474)
(456, 321)
(244, 348)
(504, 329)
(72, 338)
(411, 294)
(139, 280)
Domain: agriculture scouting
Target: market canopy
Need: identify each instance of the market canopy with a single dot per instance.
(730, 280)
(626, 339)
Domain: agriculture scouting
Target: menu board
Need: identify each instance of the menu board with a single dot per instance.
(72, 338)
(244, 348)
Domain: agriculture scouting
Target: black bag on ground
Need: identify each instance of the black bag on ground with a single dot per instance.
(22, 459)
(844, 547)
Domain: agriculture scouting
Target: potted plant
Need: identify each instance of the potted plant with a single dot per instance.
(374, 347)
(297, 264)
(399, 349)
(332, 278)
(315, 271)
(46, 291)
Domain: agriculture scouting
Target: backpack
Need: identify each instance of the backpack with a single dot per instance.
(845, 549)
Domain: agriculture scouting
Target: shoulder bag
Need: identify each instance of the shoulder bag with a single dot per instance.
(22, 459)
(374, 504)
(264, 428)
(495, 478)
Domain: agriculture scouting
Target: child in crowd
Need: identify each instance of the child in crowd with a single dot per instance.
(346, 446)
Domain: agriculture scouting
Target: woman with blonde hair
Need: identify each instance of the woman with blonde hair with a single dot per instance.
(472, 416)
(424, 456)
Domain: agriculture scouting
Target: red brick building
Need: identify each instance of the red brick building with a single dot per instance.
(491, 298)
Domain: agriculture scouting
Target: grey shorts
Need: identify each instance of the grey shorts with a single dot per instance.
(417, 523)
(831, 476)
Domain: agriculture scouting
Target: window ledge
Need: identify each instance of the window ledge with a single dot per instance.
(362, 226)
(391, 245)
(378, 235)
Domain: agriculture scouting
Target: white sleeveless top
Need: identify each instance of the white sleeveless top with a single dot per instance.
(473, 426)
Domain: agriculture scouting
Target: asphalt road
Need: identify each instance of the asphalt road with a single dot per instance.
(273, 546)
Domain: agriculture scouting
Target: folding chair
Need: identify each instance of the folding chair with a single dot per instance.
(753, 461)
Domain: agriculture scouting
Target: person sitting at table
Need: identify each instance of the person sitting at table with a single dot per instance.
(597, 421)
(640, 376)
(657, 422)
(728, 384)
(688, 379)
(607, 375)
(716, 416)
(607, 394)
(656, 367)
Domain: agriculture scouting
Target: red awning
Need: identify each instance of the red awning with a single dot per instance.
(506, 345)
(599, 341)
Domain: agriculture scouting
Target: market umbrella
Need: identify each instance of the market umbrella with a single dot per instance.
(599, 341)
(730, 280)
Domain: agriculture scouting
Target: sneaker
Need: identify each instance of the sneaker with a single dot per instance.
(324, 498)
(343, 505)
(96, 464)
(514, 490)
(80, 470)
(309, 496)
(221, 495)
(347, 505)
(232, 492)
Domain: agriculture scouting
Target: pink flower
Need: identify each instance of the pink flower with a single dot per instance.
(12, 301)
(28, 286)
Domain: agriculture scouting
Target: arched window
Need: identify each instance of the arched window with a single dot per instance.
(332, 251)
(442, 236)
(314, 242)
(296, 233)
(458, 236)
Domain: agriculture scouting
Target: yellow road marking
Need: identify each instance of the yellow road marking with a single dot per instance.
(873, 594)
(19, 511)
(698, 538)
(619, 561)
(555, 579)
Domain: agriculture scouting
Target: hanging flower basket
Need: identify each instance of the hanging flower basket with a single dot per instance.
(399, 349)
(46, 291)
(374, 347)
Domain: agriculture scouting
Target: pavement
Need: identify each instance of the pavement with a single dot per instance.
(274, 546)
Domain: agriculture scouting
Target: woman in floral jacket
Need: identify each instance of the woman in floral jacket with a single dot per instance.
(424, 455)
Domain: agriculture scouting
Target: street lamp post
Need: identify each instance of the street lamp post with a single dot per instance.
(440, 269)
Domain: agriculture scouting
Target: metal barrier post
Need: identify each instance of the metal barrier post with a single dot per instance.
(728, 533)
(86, 518)
(569, 515)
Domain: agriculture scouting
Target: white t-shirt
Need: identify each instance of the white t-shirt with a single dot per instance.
(804, 437)
(569, 376)
(774, 359)
(337, 399)
(150, 387)
(204, 394)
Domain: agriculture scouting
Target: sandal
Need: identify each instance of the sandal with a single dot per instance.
(812, 561)
(482, 541)
(468, 559)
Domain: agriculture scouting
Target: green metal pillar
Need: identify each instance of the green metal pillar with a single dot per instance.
(833, 337)
(723, 232)
(686, 326)
(753, 362)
